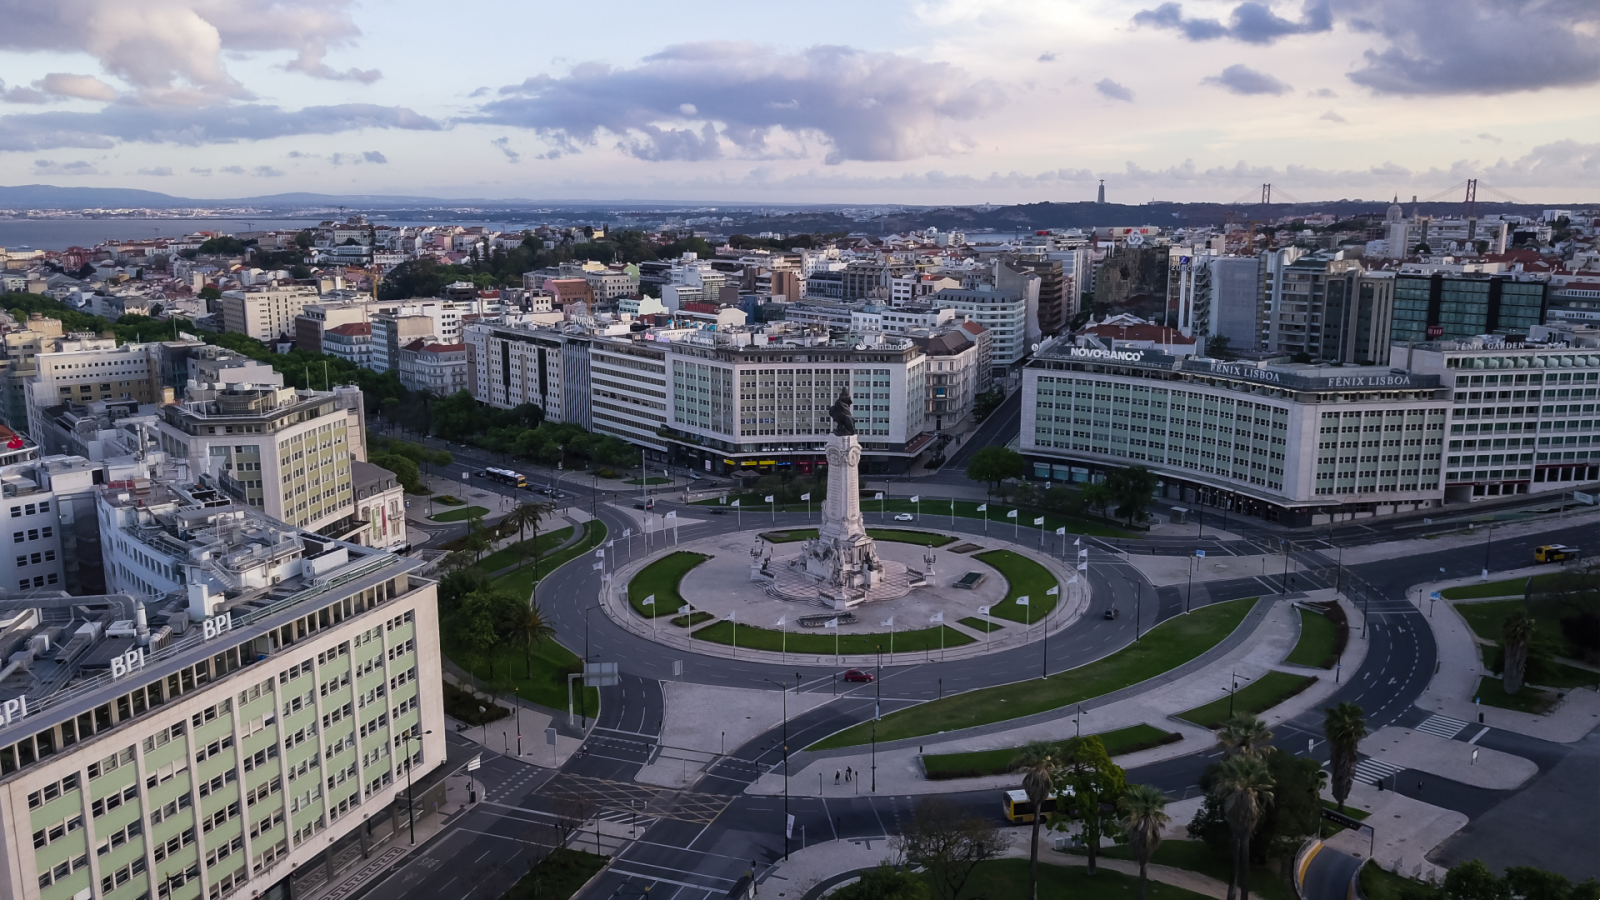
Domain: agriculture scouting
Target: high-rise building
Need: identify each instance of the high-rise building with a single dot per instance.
(1227, 299)
(217, 739)
(265, 312)
(1433, 303)
(509, 365)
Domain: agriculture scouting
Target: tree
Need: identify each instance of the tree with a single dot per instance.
(1036, 760)
(405, 470)
(210, 292)
(1097, 783)
(948, 842)
(1131, 489)
(1243, 734)
(1529, 883)
(1144, 813)
(1344, 728)
(1473, 880)
(994, 465)
(530, 629)
(525, 516)
(884, 883)
(1099, 496)
(1219, 346)
(1245, 789)
(1517, 633)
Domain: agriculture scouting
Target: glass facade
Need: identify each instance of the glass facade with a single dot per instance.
(1464, 306)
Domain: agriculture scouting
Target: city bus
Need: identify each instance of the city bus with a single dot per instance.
(506, 476)
(1554, 553)
(1019, 809)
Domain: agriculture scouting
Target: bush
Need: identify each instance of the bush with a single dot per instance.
(606, 473)
(462, 705)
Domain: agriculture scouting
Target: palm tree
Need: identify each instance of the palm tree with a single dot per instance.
(1243, 734)
(530, 629)
(525, 516)
(1245, 787)
(1344, 728)
(1037, 760)
(1144, 814)
(1517, 632)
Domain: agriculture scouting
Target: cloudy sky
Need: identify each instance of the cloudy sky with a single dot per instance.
(965, 101)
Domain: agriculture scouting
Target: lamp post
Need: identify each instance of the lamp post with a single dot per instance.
(1288, 548)
(784, 690)
(411, 796)
(583, 695)
(518, 692)
(1234, 687)
(877, 710)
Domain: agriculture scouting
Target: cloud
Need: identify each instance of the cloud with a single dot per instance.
(1482, 47)
(22, 94)
(204, 173)
(503, 144)
(79, 167)
(1113, 90)
(1253, 23)
(1489, 137)
(266, 172)
(171, 51)
(863, 105)
(232, 170)
(195, 126)
(81, 87)
(1047, 56)
(1331, 116)
(159, 172)
(373, 156)
(1322, 92)
(1245, 81)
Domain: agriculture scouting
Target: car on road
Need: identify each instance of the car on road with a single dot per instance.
(719, 512)
(483, 473)
(857, 675)
(1113, 612)
(694, 476)
(904, 517)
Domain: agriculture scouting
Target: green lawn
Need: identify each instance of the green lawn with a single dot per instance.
(1486, 617)
(1197, 856)
(1164, 647)
(558, 876)
(983, 625)
(522, 581)
(895, 535)
(935, 511)
(510, 556)
(460, 515)
(543, 679)
(448, 499)
(978, 763)
(1545, 673)
(1380, 884)
(821, 642)
(464, 706)
(1024, 578)
(694, 618)
(660, 579)
(1511, 587)
(1252, 699)
(1007, 879)
(1492, 691)
(1318, 636)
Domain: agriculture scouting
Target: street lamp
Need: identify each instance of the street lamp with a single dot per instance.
(784, 690)
(411, 796)
(518, 692)
(583, 696)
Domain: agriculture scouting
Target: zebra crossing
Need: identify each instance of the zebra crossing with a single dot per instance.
(1372, 771)
(1443, 726)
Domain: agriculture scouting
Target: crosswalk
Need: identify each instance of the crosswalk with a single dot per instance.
(1371, 771)
(1443, 726)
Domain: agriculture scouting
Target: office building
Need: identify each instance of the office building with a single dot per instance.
(1431, 302)
(1004, 313)
(228, 737)
(265, 312)
(1227, 299)
(1289, 443)
(509, 365)
(82, 368)
(318, 318)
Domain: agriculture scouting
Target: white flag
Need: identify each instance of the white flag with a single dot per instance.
(599, 553)
(599, 565)
(1074, 580)
(1084, 553)
(1023, 600)
(627, 532)
(1062, 530)
(1083, 567)
(831, 623)
(938, 619)
(1012, 514)
(672, 514)
(805, 496)
(878, 496)
(1077, 541)
(983, 610)
(648, 601)
(983, 507)
(733, 614)
(1054, 591)
(735, 503)
(887, 623)
(779, 623)
(917, 498)
(768, 500)
(1039, 521)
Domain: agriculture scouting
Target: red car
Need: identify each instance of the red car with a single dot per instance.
(858, 675)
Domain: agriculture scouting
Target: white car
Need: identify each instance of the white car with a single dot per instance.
(903, 517)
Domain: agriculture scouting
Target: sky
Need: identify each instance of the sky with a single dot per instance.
(933, 102)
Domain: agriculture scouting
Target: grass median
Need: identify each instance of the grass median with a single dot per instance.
(1253, 699)
(1163, 648)
(460, 515)
(1024, 578)
(754, 638)
(893, 535)
(660, 579)
(1492, 692)
(510, 556)
(1197, 856)
(1319, 636)
(522, 581)
(1511, 587)
(1007, 879)
(980, 763)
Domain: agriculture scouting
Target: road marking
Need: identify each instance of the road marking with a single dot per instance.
(1443, 726)
(1372, 771)
(1478, 735)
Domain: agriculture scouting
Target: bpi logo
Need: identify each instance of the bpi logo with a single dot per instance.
(127, 662)
(13, 711)
(218, 625)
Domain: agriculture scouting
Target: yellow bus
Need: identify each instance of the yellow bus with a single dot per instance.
(1019, 809)
(1554, 553)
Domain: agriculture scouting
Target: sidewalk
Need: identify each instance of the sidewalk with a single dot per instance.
(535, 719)
(1463, 537)
(1403, 831)
(702, 722)
(1455, 681)
(1261, 650)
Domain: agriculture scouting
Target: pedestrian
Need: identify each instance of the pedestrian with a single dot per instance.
(835, 776)
(1419, 784)
(846, 774)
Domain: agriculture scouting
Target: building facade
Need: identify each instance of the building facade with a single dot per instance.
(265, 312)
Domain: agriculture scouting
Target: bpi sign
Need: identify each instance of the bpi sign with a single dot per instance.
(131, 661)
(218, 625)
(13, 711)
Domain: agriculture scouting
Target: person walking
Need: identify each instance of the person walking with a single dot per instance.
(835, 776)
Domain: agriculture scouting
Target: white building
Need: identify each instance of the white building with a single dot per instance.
(380, 507)
(265, 312)
(351, 342)
(440, 369)
(1003, 313)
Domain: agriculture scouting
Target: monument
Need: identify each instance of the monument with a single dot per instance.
(842, 560)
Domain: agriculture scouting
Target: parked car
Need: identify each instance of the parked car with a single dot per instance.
(904, 517)
(858, 675)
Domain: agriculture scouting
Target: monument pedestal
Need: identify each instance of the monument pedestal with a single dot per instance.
(842, 560)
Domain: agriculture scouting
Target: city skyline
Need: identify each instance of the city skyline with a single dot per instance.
(926, 103)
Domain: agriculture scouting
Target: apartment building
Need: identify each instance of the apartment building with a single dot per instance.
(509, 365)
(270, 447)
(1004, 313)
(265, 312)
(1290, 443)
(351, 342)
(225, 739)
(958, 370)
(318, 318)
(440, 320)
(439, 369)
